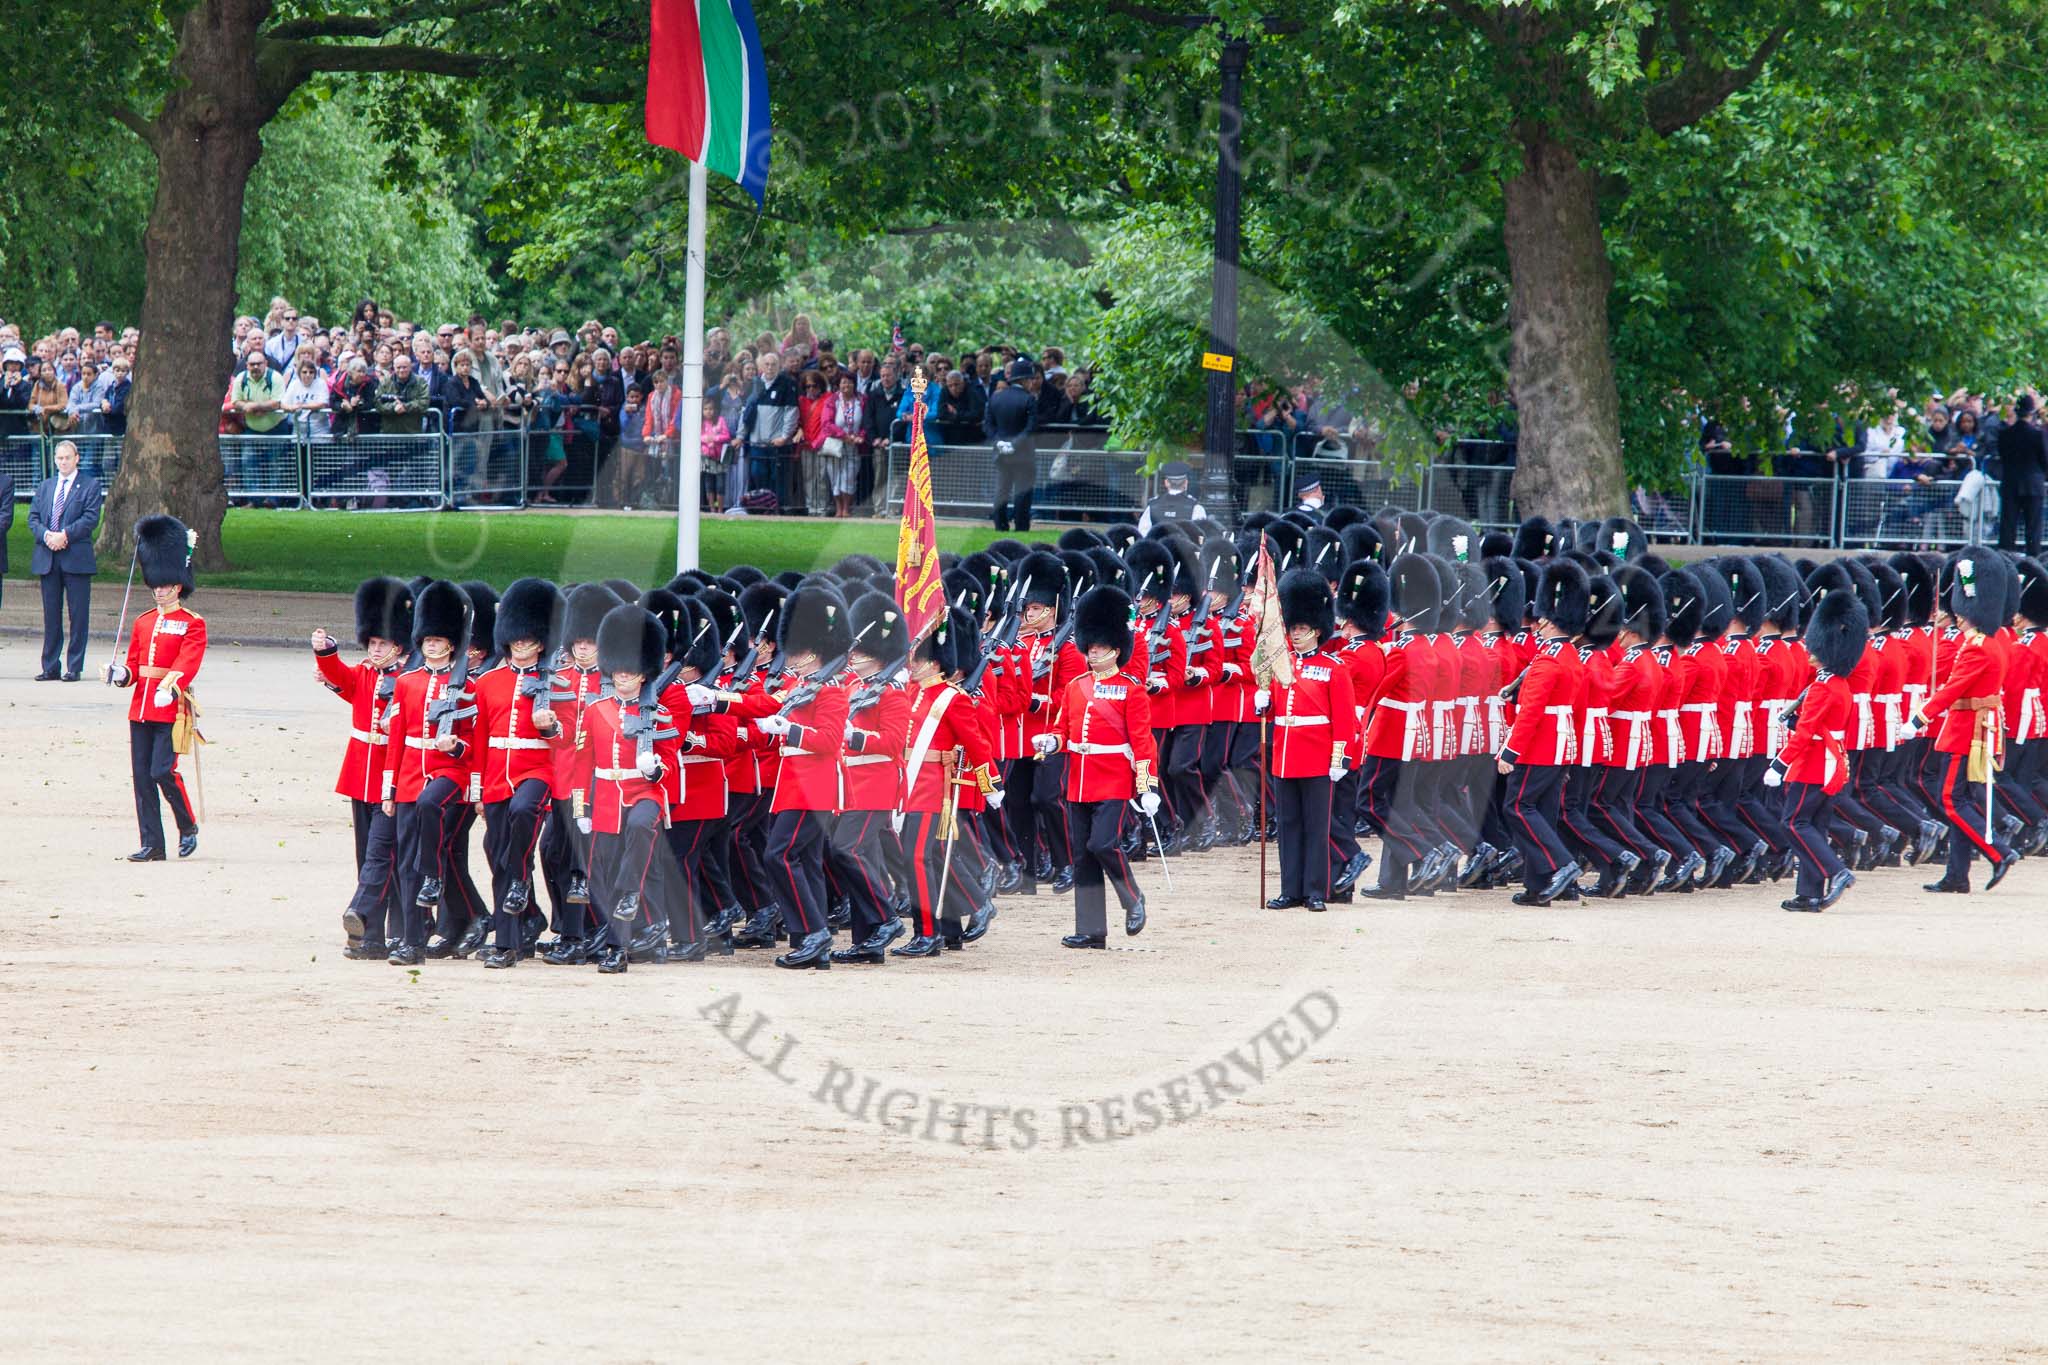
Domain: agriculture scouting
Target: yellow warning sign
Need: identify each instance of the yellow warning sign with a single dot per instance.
(1212, 361)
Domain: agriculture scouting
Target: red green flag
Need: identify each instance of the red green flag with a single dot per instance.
(707, 88)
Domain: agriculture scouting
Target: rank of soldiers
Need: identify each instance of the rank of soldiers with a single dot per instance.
(732, 761)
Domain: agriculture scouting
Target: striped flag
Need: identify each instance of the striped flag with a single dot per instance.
(918, 589)
(707, 88)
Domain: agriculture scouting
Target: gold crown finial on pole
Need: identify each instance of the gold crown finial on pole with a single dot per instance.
(918, 382)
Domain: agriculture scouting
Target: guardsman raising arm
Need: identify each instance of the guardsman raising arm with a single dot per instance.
(383, 630)
(164, 652)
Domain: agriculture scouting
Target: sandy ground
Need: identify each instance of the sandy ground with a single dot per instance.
(1694, 1128)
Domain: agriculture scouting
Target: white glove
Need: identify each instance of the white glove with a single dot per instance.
(1046, 744)
(543, 717)
(1773, 778)
(1149, 803)
(117, 675)
(649, 766)
(773, 725)
(896, 822)
(700, 695)
(163, 696)
(1155, 682)
(1199, 675)
(583, 824)
(1336, 772)
(1261, 699)
(995, 799)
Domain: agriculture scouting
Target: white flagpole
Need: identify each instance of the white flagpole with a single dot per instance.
(690, 419)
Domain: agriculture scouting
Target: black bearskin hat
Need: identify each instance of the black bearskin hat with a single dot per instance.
(2033, 579)
(964, 590)
(762, 605)
(1361, 540)
(954, 644)
(1079, 571)
(1507, 594)
(1362, 597)
(1839, 630)
(1782, 593)
(879, 628)
(624, 588)
(1338, 518)
(726, 617)
(687, 582)
(442, 609)
(1534, 538)
(1302, 518)
(1007, 550)
(697, 642)
(1476, 597)
(1866, 585)
(1216, 567)
(746, 575)
(814, 621)
(1103, 617)
(1415, 592)
(1042, 581)
(631, 639)
(1151, 565)
(1891, 595)
(588, 602)
(1564, 535)
(789, 580)
(1257, 521)
(990, 575)
(668, 609)
(1119, 536)
(531, 609)
(383, 611)
(1453, 539)
(1496, 545)
(1684, 604)
(1109, 567)
(1642, 602)
(1284, 542)
(1305, 601)
(1564, 598)
(1717, 604)
(1413, 533)
(1532, 586)
(163, 553)
(1079, 538)
(1622, 538)
(1747, 587)
(1604, 611)
(1919, 579)
(1982, 588)
(1323, 551)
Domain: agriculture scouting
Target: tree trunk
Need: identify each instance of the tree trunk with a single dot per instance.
(207, 140)
(1562, 366)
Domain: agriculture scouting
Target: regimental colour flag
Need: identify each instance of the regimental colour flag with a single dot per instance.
(918, 586)
(707, 88)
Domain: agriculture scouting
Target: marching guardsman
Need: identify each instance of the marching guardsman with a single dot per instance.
(1968, 703)
(1701, 670)
(807, 722)
(564, 848)
(1582, 834)
(978, 790)
(948, 751)
(1683, 606)
(1103, 724)
(384, 632)
(1543, 742)
(1814, 764)
(1314, 719)
(165, 649)
(1185, 702)
(630, 743)
(724, 870)
(515, 762)
(1880, 775)
(1161, 650)
(1397, 730)
(1231, 742)
(1738, 769)
(1631, 716)
(697, 799)
(1046, 661)
(1781, 676)
(1851, 819)
(1506, 604)
(877, 737)
(1361, 611)
(428, 741)
(753, 665)
(2029, 728)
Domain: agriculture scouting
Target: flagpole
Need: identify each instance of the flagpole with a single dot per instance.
(690, 419)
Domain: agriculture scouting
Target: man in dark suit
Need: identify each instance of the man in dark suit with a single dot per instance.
(62, 517)
(6, 519)
(1009, 420)
(2023, 477)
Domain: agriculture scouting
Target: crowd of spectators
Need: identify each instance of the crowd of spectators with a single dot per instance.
(792, 422)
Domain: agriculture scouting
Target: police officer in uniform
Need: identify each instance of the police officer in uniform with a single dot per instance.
(1174, 502)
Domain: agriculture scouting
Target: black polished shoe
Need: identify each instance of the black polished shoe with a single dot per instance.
(473, 937)
(611, 960)
(1043, 870)
(1723, 855)
(1284, 903)
(859, 957)
(978, 922)
(146, 855)
(924, 945)
(1084, 941)
(890, 930)
(1561, 879)
(1682, 875)
(1348, 875)
(814, 951)
(47, 676)
(649, 944)
(1945, 887)
(1806, 905)
(1477, 866)
(1382, 893)
(70, 677)
(2003, 866)
(440, 946)
(430, 893)
(1836, 887)
(367, 950)
(1930, 838)
(688, 952)
(1530, 898)
(1064, 881)
(579, 891)
(566, 952)
(1314, 904)
(188, 842)
(405, 955)
(499, 958)
(1134, 918)
(764, 930)
(839, 913)
(518, 896)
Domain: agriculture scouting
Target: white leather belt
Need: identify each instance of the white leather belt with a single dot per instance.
(516, 742)
(797, 753)
(1866, 724)
(1286, 722)
(365, 736)
(862, 760)
(620, 774)
(1596, 741)
(415, 742)
(1411, 725)
(1496, 722)
(1710, 729)
(1638, 737)
(688, 759)
(1567, 737)
(1118, 750)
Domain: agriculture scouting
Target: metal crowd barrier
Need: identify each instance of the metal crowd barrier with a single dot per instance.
(386, 471)
(1746, 510)
(25, 460)
(1903, 514)
(1091, 485)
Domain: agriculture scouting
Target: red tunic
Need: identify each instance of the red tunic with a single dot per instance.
(1977, 673)
(368, 692)
(1545, 732)
(1105, 727)
(574, 691)
(163, 645)
(1367, 663)
(1815, 753)
(1399, 724)
(877, 740)
(1596, 733)
(942, 719)
(1632, 708)
(1314, 718)
(1699, 714)
(1735, 707)
(512, 749)
(411, 760)
(1172, 663)
(695, 782)
(1443, 698)
(807, 771)
(610, 763)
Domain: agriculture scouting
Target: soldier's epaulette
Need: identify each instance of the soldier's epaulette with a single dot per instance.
(1822, 675)
(1631, 654)
(1693, 648)
(1663, 653)
(1553, 648)
(1763, 646)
